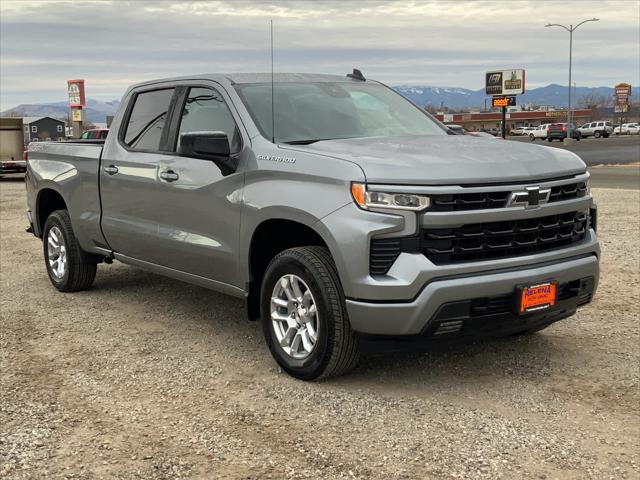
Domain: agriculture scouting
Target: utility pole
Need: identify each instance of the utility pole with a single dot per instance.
(570, 29)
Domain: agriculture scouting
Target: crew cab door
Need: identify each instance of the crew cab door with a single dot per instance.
(199, 217)
(129, 193)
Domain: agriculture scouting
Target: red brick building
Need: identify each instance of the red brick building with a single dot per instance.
(482, 120)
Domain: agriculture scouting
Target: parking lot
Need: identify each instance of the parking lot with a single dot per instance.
(146, 377)
(596, 151)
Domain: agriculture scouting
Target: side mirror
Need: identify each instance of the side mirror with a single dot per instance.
(212, 146)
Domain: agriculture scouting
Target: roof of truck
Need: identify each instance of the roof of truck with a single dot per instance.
(240, 78)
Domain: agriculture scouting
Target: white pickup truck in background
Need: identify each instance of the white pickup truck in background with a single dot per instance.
(540, 132)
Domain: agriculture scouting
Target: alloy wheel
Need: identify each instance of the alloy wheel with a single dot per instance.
(56, 252)
(294, 316)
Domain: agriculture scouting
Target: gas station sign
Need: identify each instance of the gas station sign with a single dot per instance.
(497, 102)
(505, 82)
(76, 93)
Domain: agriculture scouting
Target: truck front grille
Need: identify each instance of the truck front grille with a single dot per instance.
(468, 201)
(484, 241)
(484, 200)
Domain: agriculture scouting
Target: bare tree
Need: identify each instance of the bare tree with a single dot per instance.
(593, 100)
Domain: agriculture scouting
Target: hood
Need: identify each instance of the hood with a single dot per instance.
(450, 159)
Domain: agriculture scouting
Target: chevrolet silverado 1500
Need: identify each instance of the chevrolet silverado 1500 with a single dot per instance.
(335, 207)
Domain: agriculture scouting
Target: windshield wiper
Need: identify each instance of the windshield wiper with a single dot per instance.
(307, 142)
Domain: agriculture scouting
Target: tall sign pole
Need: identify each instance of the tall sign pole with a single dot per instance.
(623, 93)
(503, 86)
(77, 102)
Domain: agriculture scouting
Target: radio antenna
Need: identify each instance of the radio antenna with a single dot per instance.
(273, 112)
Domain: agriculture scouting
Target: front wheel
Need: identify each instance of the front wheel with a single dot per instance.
(70, 269)
(531, 137)
(304, 318)
(597, 134)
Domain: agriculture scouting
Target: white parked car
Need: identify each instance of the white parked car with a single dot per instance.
(627, 129)
(596, 129)
(539, 132)
(517, 131)
(527, 130)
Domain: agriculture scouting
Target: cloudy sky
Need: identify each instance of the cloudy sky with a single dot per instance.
(112, 44)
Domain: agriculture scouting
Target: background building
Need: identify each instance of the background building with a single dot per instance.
(486, 120)
(40, 129)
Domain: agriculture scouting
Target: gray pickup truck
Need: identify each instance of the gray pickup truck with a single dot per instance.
(341, 212)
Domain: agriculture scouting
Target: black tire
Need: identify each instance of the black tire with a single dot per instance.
(597, 134)
(550, 139)
(606, 135)
(532, 138)
(336, 349)
(80, 271)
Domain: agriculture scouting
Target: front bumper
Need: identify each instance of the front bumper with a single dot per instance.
(418, 315)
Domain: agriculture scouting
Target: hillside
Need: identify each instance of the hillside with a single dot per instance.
(96, 111)
(461, 98)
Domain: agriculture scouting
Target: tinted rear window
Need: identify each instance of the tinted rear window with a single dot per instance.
(146, 122)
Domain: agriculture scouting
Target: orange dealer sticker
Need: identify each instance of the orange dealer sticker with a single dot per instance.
(538, 297)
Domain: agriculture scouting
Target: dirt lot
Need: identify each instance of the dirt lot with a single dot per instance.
(145, 377)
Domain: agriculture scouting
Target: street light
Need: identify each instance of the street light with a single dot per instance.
(570, 29)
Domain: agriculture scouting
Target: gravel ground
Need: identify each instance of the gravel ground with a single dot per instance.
(146, 377)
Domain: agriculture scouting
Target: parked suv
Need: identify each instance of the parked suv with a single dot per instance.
(596, 129)
(558, 131)
(337, 209)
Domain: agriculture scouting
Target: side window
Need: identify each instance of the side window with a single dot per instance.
(147, 119)
(34, 128)
(205, 111)
(59, 128)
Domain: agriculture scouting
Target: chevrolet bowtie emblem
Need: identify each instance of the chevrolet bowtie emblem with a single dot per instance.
(532, 197)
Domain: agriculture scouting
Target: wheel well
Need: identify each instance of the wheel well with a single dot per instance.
(48, 201)
(270, 238)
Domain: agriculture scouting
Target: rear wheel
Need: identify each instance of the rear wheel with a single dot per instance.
(70, 269)
(550, 139)
(304, 318)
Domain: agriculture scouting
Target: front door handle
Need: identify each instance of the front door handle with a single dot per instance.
(111, 169)
(169, 176)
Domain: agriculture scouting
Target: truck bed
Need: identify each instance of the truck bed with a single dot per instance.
(71, 169)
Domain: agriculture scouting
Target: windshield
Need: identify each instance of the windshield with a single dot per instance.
(310, 112)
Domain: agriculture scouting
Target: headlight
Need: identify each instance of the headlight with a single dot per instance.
(366, 199)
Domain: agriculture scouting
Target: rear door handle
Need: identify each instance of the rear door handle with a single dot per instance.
(111, 169)
(169, 176)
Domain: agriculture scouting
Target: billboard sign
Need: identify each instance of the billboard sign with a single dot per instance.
(505, 82)
(622, 108)
(503, 101)
(623, 90)
(76, 93)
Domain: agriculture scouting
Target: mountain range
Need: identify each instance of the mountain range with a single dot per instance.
(95, 111)
(461, 98)
(423, 96)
